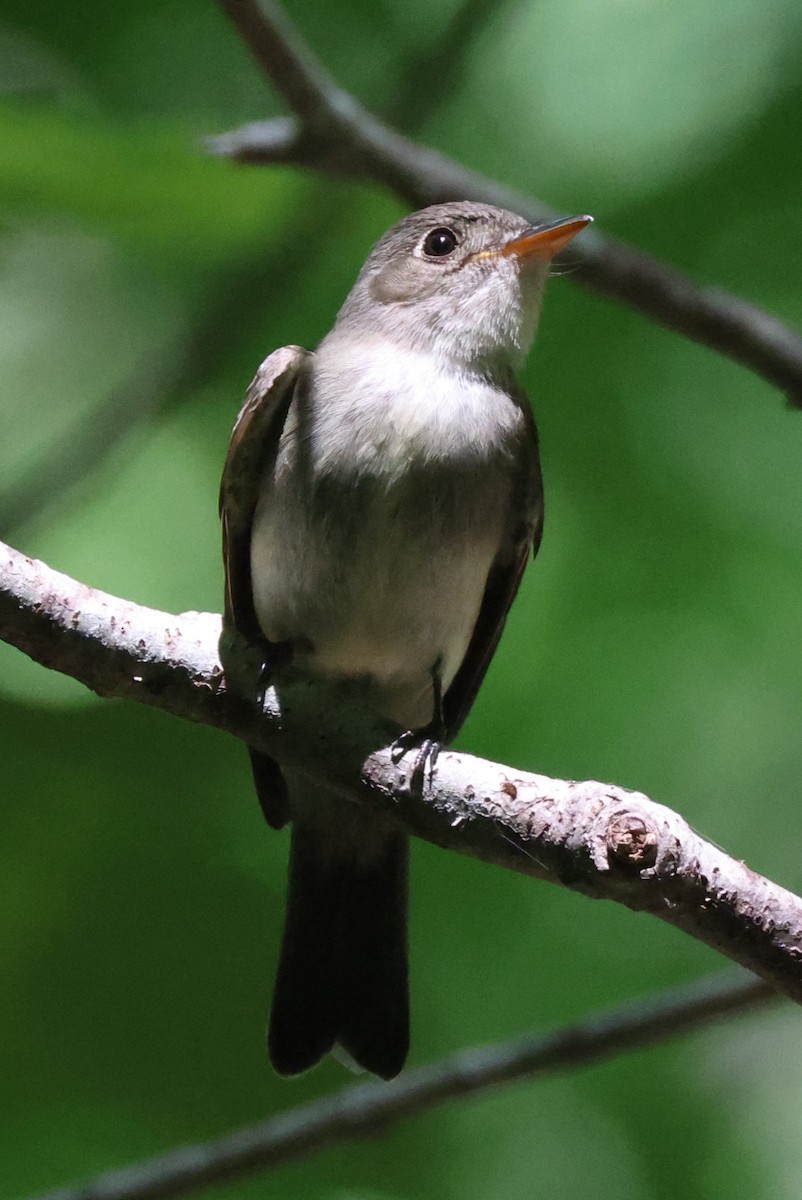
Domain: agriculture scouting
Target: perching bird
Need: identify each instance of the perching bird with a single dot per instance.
(380, 500)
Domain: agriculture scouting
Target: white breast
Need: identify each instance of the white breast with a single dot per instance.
(420, 406)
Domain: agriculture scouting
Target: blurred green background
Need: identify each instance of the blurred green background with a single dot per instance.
(657, 643)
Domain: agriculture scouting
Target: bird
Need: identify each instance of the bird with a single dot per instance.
(380, 500)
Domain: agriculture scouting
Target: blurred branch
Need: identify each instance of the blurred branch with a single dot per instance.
(595, 838)
(295, 72)
(440, 64)
(333, 133)
(232, 299)
(368, 1108)
(71, 458)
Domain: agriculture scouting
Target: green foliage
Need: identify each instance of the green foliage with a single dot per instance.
(656, 643)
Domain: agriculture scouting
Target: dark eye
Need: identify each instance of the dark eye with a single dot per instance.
(439, 243)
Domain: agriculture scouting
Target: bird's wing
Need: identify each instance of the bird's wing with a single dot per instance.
(524, 529)
(253, 445)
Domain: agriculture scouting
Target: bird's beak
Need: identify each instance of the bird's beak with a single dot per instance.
(545, 241)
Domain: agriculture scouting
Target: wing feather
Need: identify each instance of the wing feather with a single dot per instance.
(254, 442)
(524, 529)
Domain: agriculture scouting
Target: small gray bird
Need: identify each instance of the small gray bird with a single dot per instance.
(380, 499)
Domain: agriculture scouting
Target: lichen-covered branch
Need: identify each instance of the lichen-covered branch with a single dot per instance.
(596, 838)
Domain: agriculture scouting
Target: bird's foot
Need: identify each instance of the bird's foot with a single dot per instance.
(428, 741)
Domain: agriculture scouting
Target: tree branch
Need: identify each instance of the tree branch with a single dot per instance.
(334, 134)
(595, 838)
(363, 1110)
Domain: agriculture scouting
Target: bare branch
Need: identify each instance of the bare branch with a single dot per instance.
(595, 838)
(336, 135)
(363, 1110)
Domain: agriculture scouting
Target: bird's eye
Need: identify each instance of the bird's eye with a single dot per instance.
(439, 243)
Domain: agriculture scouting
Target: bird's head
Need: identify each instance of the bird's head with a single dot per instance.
(463, 279)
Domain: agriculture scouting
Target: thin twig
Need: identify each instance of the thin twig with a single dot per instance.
(364, 1110)
(440, 64)
(333, 133)
(595, 838)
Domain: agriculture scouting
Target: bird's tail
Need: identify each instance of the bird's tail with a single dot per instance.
(342, 975)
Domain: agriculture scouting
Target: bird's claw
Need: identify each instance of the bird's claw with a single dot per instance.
(428, 742)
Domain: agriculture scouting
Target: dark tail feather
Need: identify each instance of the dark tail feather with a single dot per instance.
(303, 1017)
(374, 999)
(342, 973)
